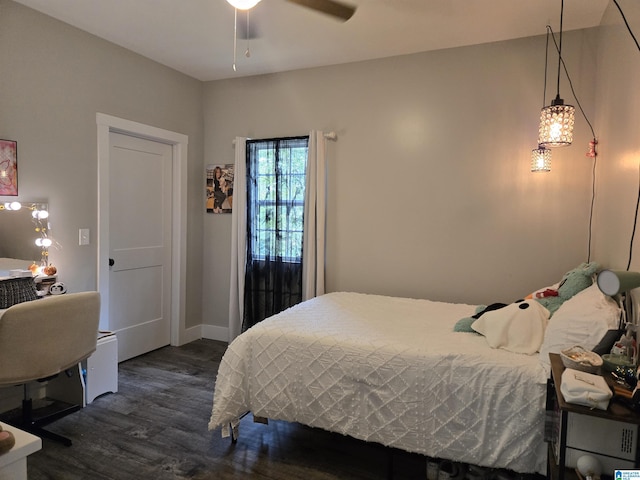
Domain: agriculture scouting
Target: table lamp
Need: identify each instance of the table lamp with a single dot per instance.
(613, 282)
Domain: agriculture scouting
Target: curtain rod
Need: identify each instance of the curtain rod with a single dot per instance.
(331, 136)
(328, 135)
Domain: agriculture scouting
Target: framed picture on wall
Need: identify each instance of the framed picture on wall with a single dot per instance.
(8, 167)
(220, 188)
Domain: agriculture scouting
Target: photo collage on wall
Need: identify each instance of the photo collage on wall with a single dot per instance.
(220, 188)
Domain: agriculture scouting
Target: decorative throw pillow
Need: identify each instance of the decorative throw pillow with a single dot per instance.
(582, 320)
(17, 290)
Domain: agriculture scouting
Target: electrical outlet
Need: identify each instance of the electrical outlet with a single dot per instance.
(83, 236)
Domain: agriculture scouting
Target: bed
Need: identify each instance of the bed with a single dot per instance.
(393, 371)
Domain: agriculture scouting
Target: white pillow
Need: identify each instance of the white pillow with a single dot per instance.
(582, 320)
(518, 327)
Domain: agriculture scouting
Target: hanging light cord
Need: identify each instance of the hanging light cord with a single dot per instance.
(593, 201)
(546, 68)
(593, 185)
(635, 218)
(235, 36)
(573, 92)
(627, 24)
(247, 52)
(559, 48)
(595, 156)
(635, 223)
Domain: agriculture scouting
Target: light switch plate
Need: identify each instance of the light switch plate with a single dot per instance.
(83, 236)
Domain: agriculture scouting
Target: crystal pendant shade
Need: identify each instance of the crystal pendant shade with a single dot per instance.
(556, 125)
(541, 159)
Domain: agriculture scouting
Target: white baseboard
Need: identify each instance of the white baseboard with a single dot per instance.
(210, 332)
(191, 334)
(213, 332)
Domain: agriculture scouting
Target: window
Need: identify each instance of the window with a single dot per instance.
(275, 198)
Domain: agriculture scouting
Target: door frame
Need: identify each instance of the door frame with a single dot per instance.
(179, 142)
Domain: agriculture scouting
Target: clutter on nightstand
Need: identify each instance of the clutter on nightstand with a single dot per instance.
(585, 389)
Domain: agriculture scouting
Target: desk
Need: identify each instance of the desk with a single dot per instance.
(13, 464)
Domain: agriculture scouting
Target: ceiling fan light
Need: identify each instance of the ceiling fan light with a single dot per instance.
(243, 4)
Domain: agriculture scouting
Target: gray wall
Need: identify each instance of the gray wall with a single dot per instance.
(54, 79)
(430, 190)
(618, 117)
(430, 193)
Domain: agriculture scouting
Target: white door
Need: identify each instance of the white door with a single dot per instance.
(139, 243)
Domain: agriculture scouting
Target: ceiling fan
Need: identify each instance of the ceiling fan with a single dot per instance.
(339, 10)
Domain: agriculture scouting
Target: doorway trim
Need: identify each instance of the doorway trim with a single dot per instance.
(179, 142)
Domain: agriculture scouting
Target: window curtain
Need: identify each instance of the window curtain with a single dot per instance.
(275, 209)
(238, 240)
(313, 260)
(313, 252)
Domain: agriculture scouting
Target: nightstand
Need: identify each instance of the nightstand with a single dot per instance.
(573, 430)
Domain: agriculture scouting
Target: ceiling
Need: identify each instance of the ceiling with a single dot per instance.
(196, 36)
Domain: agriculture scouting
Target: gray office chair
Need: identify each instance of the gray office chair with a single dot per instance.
(41, 339)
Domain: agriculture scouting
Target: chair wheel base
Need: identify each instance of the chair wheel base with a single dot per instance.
(33, 420)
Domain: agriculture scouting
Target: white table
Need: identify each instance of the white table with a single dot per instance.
(13, 464)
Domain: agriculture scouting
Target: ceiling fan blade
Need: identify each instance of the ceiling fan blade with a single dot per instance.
(330, 7)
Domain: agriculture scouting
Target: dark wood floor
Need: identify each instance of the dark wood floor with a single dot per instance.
(155, 427)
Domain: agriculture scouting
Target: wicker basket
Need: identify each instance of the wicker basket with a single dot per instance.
(580, 359)
(17, 290)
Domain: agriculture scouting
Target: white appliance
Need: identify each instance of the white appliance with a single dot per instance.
(101, 368)
(612, 442)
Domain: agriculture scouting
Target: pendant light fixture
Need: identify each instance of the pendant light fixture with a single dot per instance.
(541, 156)
(243, 4)
(541, 159)
(557, 119)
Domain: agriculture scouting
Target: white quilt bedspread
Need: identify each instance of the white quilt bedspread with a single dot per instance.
(392, 371)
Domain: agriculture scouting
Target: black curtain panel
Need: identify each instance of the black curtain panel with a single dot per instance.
(275, 218)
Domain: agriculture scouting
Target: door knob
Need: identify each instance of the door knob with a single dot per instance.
(111, 262)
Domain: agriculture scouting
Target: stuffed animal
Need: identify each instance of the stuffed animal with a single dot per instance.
(574, 281)
(57, 288)
(7, 441)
